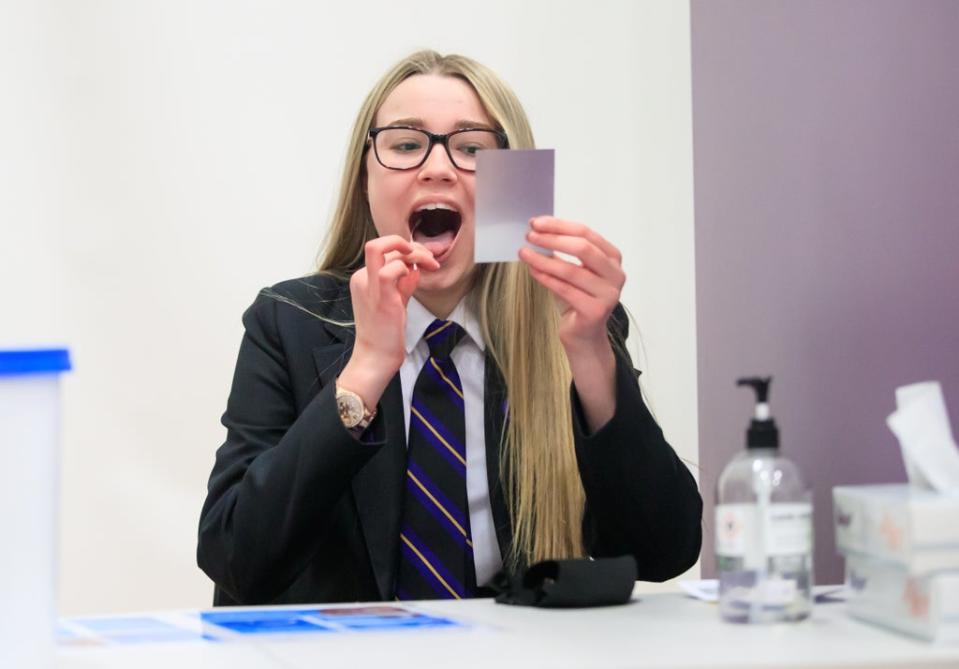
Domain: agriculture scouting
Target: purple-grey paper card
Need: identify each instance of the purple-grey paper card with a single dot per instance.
(511, 187)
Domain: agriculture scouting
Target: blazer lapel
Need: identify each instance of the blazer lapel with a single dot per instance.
(378, 487)
(495, 410)
(378, 491)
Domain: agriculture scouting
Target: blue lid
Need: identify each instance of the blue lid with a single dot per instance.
(42, 361)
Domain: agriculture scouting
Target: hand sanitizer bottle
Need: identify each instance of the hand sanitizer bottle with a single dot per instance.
(763, 528)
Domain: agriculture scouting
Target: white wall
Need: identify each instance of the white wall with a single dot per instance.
(197, 147)
(30, 271)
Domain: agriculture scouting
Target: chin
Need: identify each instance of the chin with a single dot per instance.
(448, 277)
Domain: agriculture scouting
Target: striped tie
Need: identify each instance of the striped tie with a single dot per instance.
(436, 547)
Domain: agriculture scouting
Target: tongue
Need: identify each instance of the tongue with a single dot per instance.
(438, 244)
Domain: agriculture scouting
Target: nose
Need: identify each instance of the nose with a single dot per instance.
(438, 166)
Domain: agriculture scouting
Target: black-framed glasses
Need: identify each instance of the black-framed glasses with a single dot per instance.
(404, 148)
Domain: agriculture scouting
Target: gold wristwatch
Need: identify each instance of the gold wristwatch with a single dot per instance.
(354, 413)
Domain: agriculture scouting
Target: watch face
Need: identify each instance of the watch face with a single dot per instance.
(351, 409)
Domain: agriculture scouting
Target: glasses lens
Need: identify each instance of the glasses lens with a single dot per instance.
(401, 148)
(465, 145)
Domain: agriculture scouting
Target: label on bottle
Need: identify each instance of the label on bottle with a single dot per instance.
(742, 531)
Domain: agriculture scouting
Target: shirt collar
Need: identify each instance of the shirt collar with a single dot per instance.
(418, 318)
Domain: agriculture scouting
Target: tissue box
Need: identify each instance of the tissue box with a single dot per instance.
(917, 529)
(885, 593)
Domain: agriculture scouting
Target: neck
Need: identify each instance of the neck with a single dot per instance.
(440, 305)
(442, 302)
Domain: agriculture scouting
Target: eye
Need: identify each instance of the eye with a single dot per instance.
(401, 140)
(471, 142)
(406, 145)
(470, 149)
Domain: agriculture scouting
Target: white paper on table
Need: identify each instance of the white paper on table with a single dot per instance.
(706, 590)
(921, 423)
(512, 187)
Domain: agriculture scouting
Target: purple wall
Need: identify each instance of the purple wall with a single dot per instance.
(826, 144)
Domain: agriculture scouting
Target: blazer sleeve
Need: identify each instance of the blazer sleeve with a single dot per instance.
(278, 476)
(640, 497)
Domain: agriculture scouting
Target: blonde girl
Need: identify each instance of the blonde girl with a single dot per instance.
(562, 458)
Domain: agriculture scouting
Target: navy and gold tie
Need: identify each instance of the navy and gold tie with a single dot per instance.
(436, 548)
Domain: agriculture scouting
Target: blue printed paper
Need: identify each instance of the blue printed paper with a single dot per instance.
(227, 625)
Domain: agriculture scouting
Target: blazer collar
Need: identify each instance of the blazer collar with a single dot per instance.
(338, 318)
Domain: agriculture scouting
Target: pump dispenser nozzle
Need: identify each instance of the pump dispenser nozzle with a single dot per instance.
(758, 383)
(762, 432)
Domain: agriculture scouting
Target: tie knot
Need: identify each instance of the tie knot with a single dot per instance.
(442, 337)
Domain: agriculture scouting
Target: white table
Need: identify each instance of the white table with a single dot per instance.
(660, 630)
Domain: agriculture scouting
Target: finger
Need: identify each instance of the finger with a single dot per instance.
(574, 298)
(392, 255)
(581, 277)
(392, 271)
(358, 282)
(417, 256)
(376, 249)
(407, 284)
(588, 253)
(562, 227)
(421, 255)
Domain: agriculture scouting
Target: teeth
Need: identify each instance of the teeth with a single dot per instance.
(436, 205)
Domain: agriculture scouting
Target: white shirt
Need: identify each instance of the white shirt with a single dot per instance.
(470, 361)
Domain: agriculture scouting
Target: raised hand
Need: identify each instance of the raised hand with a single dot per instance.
(586, 295)
(380, 291)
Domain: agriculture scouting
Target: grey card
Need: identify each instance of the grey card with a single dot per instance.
(512, 187)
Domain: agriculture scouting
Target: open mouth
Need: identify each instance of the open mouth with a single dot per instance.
(435, 226)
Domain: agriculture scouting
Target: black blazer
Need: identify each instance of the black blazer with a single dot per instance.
(298, 511)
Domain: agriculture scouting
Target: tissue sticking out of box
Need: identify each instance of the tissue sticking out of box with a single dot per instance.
(929, 450)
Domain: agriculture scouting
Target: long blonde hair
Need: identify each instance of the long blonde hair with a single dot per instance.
(519, 321)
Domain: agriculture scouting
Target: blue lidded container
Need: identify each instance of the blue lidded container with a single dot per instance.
(29, 494)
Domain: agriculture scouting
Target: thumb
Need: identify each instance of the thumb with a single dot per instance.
(407, 284)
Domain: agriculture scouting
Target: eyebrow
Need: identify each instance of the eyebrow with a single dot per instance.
(459, 125)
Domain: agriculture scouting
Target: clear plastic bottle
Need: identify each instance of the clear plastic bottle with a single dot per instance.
(763, 528)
